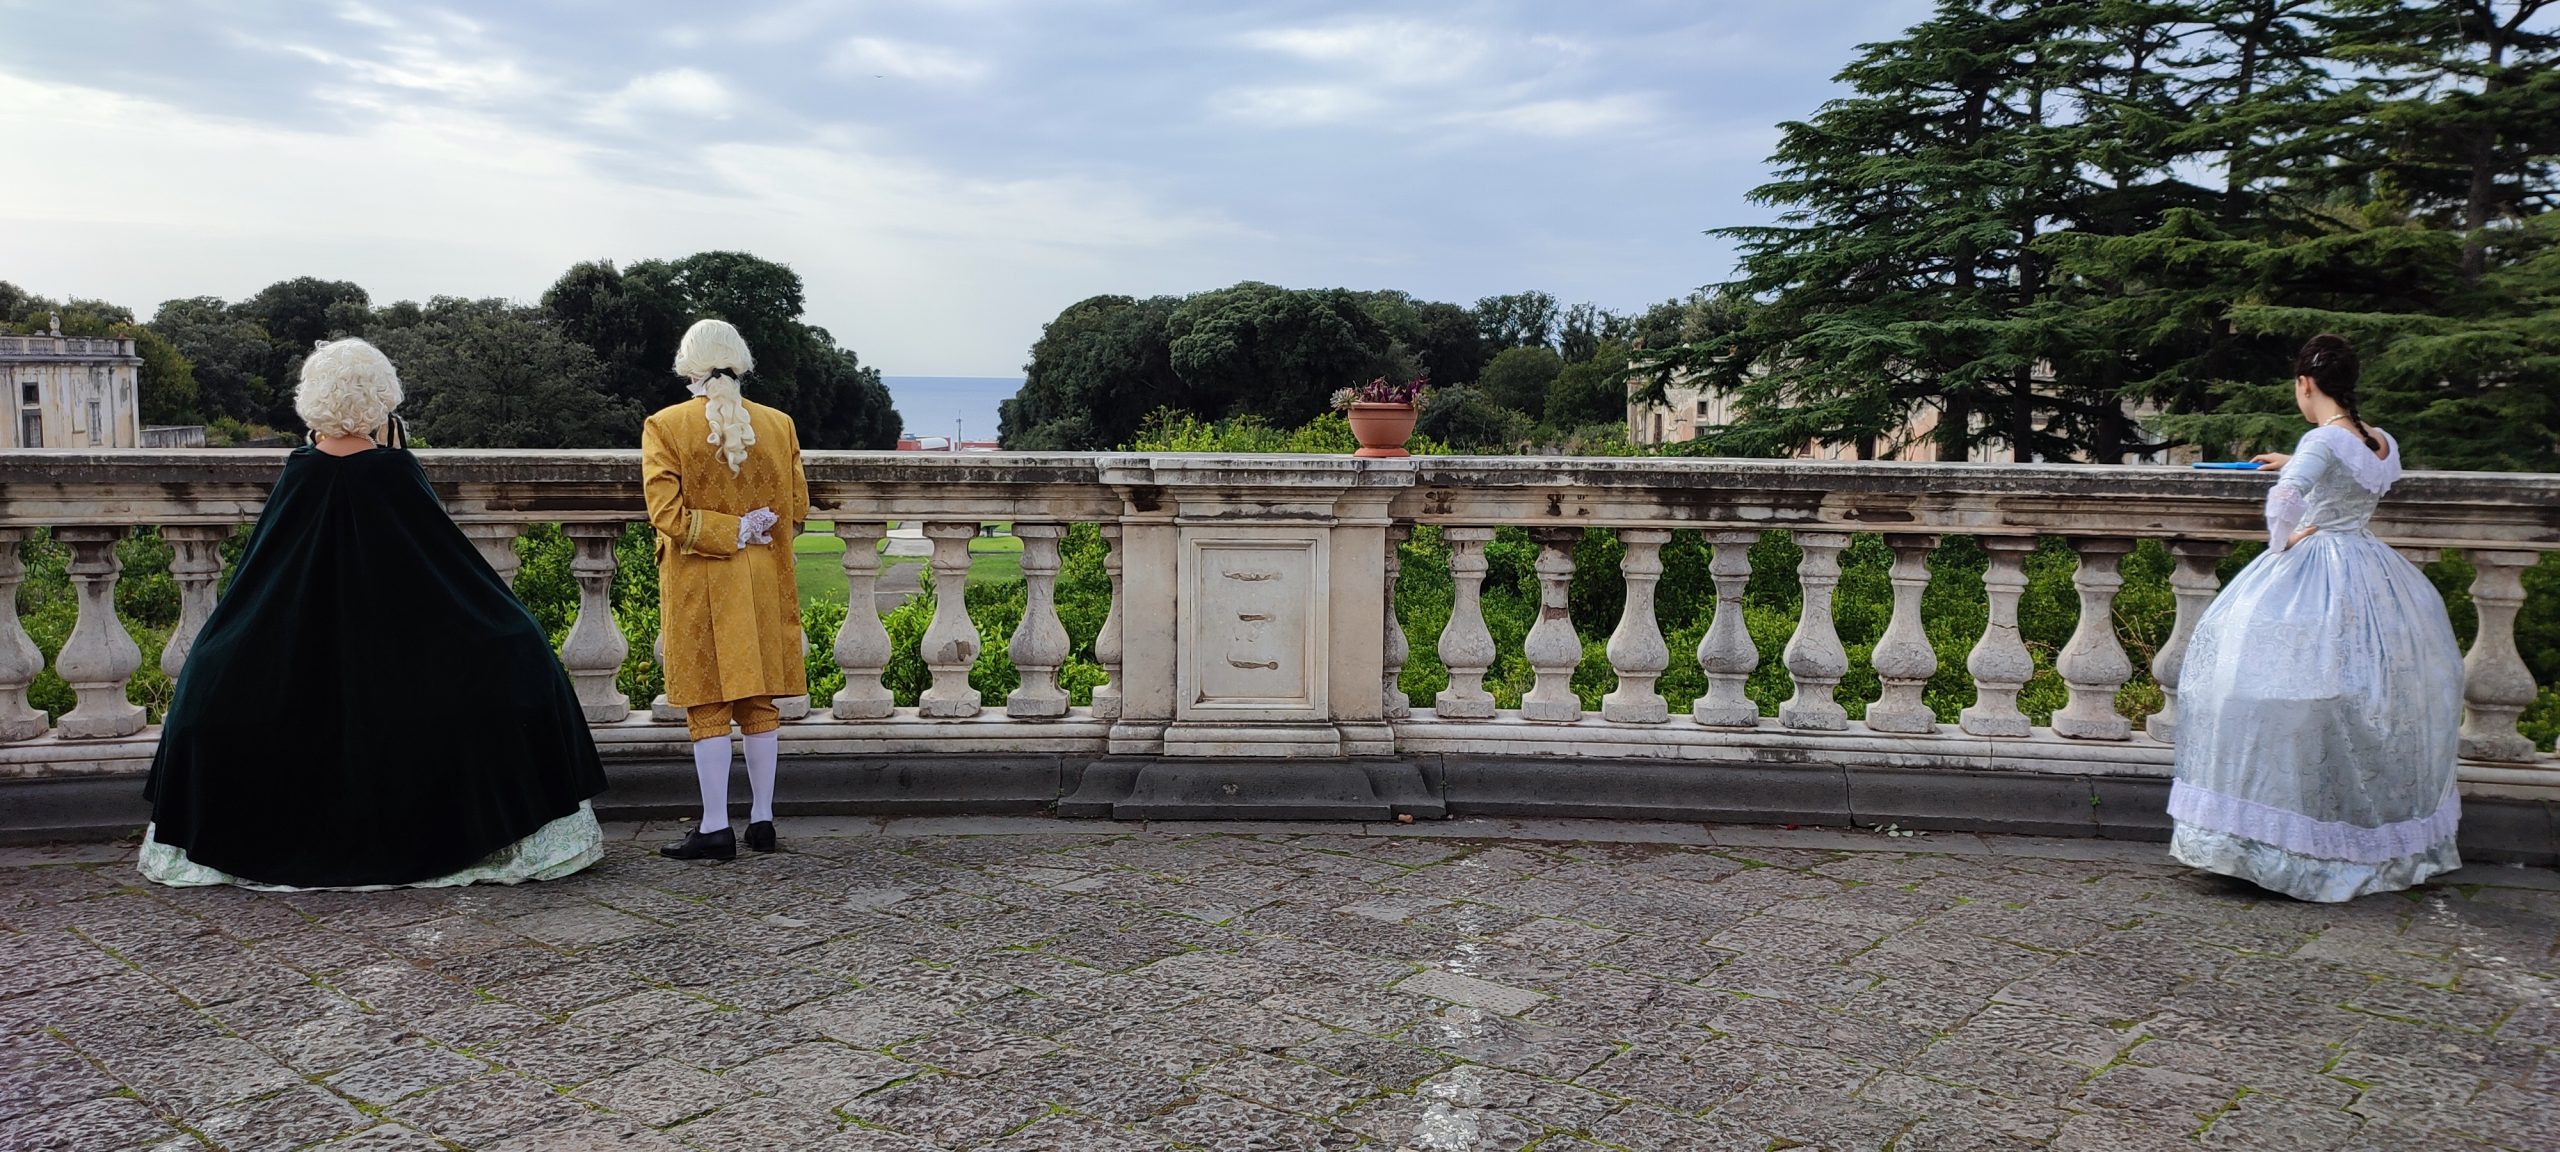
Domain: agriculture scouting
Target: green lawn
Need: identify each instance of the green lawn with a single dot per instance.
(818, 560)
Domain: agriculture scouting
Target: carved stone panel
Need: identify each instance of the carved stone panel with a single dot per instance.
(1253, 626)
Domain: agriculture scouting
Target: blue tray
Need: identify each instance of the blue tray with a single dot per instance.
(2230, 466)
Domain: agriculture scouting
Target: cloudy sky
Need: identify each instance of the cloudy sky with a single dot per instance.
(945, 174)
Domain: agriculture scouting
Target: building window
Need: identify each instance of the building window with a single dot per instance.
(97, 426)
(1702, 409)
(27, 394)
(31, 430)
(1657, 427)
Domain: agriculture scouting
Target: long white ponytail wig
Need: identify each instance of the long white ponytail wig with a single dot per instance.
(714, 355)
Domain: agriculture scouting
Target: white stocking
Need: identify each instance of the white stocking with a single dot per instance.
(762, 750)
(711, 769)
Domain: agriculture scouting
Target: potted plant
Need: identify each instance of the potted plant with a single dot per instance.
(1381, 414)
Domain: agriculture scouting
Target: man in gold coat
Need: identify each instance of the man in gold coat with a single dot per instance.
(726, 495)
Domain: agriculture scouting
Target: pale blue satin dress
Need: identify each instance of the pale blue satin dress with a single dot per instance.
(2320, 703)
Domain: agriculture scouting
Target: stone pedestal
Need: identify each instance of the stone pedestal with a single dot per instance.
(1267, 655)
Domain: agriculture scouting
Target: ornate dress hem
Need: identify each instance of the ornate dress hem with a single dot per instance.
(560, 848)
(2194, 805)
(2315, 879)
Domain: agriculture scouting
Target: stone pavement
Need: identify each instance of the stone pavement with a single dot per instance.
(1094, 988)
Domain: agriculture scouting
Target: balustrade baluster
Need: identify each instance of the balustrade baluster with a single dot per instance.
(862, 645)
(1466, 647)
(1636, 649)
(1398, 649)
(20, 660)
(1903, 658)
(594, 648)
(1106, 643)
(2496, 685)
(1039, 645)
(660, 709)
(1999, 662)
(951, 641)
(1726, 651)
(195, 562)
(1814, 657)
(496, 544)
(2193, 582)
(790, 708)
(1553, 649)
(100, 657)
(2093, 664)
(794, 707)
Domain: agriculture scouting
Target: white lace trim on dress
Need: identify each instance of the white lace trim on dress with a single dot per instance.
(2328, 839)
(2286, 509)
(2372, 473)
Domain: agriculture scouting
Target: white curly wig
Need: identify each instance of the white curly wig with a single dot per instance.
(715, 356)
(348, 388)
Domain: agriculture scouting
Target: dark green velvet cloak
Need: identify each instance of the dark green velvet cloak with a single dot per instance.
(368, 703)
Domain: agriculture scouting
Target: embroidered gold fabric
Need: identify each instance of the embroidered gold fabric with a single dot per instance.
(729, 616)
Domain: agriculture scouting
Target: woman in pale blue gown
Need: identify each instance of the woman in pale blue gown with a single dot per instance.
(2321, 698)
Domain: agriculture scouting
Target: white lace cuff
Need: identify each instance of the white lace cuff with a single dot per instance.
(2286, 509)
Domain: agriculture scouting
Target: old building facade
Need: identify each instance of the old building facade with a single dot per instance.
(70, 392)
(1689, 410)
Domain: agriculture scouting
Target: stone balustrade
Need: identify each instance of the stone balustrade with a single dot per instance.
(81, 347)
(1252, 646)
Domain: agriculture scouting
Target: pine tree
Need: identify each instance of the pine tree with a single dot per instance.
(2033, 215)
(2426, 237)
(1905, 244)
(2140, 315)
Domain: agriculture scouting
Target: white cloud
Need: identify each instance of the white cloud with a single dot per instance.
(1299, 106)
(367, 15)
(457, 63)
(675, 91)
(1390, 52)
(921, 270)
(787, 23)
(862, 56)
(1409, 75)
(1575, 117)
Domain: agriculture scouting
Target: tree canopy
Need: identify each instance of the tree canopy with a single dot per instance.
(2043, 218)
(490, 374)
(1260, 351)
(632, 319)
(577, 370)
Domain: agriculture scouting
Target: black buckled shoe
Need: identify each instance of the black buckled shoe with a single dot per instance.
(700, 845)
(760, 836)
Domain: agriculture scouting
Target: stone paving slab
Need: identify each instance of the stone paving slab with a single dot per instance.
(1017, 984)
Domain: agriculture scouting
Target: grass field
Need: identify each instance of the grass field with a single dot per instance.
(818, 561)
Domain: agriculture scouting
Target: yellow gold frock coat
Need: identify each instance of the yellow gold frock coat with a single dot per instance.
(728, 616)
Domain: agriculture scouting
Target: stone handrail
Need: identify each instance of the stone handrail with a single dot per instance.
(1252, 612)
(85, 347)
(2425, 509)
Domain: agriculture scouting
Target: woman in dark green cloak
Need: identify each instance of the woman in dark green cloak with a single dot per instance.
(368, 706)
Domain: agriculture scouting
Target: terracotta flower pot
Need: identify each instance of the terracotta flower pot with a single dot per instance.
(1382, 428)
